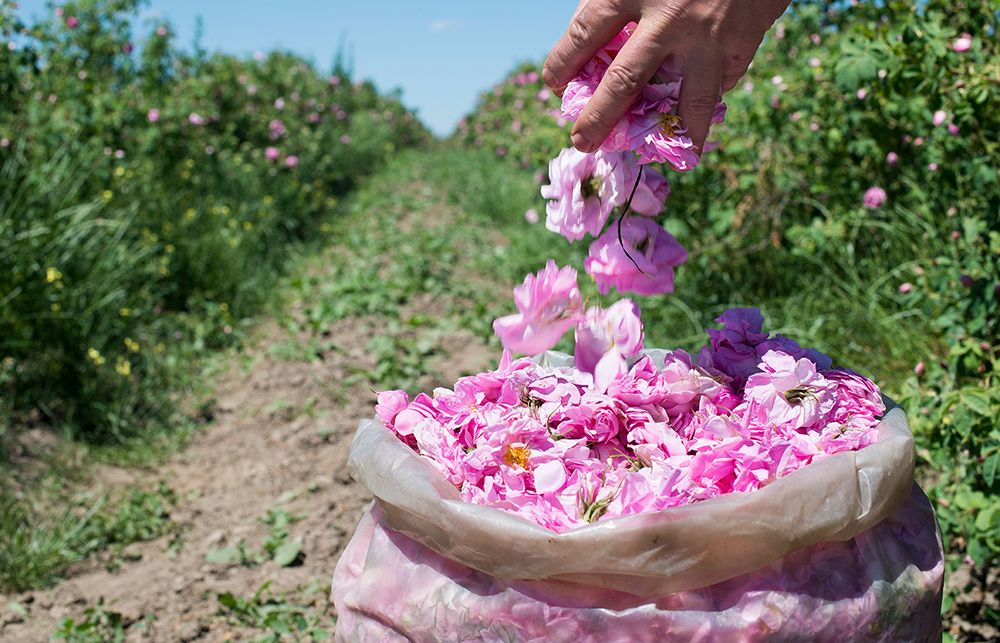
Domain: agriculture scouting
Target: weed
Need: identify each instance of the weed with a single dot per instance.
(99, 625)
(279, 618)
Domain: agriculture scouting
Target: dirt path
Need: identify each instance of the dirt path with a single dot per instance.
(280, 441)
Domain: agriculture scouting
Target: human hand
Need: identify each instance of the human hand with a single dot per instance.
(714, 42)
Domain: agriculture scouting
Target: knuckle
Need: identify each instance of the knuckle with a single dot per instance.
(622, 82)
(579, 33)
(701, 104)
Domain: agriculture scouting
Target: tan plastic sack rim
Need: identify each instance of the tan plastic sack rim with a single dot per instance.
(677, 549)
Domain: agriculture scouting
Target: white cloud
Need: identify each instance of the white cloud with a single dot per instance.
(438, 26)
(150, 14)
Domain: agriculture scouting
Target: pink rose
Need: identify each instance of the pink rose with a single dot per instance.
(272, 153)
(654, 251)
(874, 198)
(548, 304)
(583, 190)
(605, 339)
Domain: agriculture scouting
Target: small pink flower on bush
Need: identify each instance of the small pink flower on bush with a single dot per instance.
(874, 197)
(953, 129)
(862, 93)
(548, 304)
(72, 22)
(345, 139)
(892, 158)
(153, 115)
(939, 117)
(161, 31)
(334, 80)
(272, 153)
(291, 161)
(905, 287)
(655, 253)
(531, 215)
(196, 119)
(127, 48)
(919, 368)
(962, 44)
(605, 339)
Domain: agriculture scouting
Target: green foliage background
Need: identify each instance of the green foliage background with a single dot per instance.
(141, 219)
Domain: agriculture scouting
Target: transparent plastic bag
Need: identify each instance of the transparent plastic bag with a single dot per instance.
(844, 549)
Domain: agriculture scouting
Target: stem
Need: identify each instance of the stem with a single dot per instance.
(621, 217)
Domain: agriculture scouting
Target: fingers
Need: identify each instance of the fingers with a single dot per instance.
(699, 94)
(632, 68)
(734, 66)
(592, 27)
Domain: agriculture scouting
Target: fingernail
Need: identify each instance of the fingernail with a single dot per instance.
(548, 77)
(581, 143)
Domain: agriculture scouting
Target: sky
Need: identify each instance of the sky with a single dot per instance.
(441, 53)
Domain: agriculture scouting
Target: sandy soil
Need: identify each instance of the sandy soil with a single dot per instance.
(279, 438)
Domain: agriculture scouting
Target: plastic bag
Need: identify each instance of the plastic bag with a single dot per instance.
(844, 549)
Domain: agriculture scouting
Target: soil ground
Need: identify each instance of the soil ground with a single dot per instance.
(279, 439)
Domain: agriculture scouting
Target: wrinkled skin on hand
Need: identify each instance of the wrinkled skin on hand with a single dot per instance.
(714, 40)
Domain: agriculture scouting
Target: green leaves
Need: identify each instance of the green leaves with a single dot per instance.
(284, 618)
(860, 62)
(276, 545)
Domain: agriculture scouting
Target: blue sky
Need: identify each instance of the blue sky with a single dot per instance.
(441, 53)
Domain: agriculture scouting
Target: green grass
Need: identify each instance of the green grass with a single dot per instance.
(47, 528)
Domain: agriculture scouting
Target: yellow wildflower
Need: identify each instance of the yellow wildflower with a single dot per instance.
(52, 274)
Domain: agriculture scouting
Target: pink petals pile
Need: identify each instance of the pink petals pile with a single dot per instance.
(548, 444)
